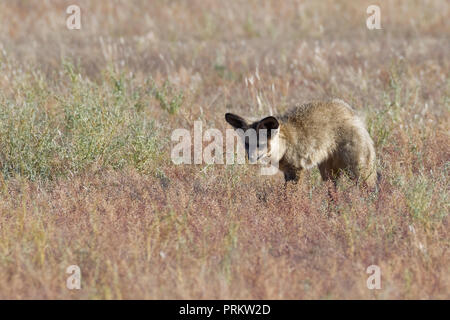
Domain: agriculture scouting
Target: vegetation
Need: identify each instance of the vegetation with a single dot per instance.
(86, 177)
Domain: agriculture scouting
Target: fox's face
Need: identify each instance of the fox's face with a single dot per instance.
(261, 138)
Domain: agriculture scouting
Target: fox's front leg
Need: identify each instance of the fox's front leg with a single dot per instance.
(294, 175)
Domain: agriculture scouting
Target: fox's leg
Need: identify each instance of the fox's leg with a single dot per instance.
(328, 170)
(360, 165)
(367, 175)
(367, 168)
(294, 175)
(328, 173)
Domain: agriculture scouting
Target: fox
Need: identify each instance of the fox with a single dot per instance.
(329, 135)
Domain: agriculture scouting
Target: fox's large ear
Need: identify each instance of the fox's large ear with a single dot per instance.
(269, 123)
(236, 121)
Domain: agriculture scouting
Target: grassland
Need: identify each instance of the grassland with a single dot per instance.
(85, 171)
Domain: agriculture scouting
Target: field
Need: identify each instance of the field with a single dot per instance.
(86, 176)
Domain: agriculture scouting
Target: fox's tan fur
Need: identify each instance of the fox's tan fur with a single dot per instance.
(329, 135)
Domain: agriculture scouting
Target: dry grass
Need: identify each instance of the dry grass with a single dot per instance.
(86, 176)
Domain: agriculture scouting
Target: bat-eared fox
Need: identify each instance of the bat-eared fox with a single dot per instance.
(329, 135)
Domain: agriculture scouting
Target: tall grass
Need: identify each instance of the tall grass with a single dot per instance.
(86, 177)
(45, 134)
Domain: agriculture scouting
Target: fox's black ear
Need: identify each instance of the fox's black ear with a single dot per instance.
(269, 123)
(236, 121)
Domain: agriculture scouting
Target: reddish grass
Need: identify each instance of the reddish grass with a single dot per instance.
(223, 232)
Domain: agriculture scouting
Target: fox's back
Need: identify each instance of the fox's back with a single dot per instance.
(317, 127)
(320, 116)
